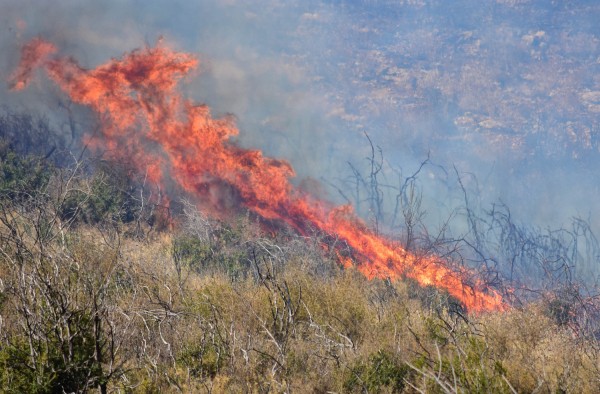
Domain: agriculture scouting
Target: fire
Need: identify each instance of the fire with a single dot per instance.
(145, 119)
(32, 55)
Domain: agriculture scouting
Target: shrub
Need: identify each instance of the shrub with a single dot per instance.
(105, 195)
(381, 372)
(21, 177)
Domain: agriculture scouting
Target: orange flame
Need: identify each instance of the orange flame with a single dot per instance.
(32, 56)
(145, 119)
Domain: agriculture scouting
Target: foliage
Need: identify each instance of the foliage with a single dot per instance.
(219, 253)
(93, 298)
(380, 372)
(107, 196)
(21, 177)
(60, 367)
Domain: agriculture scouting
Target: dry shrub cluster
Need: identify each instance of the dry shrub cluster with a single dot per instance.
(84, 309)
(93, 297)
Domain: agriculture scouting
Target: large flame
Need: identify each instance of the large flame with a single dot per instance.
(145, 119)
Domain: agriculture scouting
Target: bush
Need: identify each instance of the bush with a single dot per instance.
(104, 196)
(62, 367)
(203, 359)
(82, 309)
(381, 372)
(21, 177)
(204, 257)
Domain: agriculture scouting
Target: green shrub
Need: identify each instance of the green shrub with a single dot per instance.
(105, 196)
(222, 254)
(381, 371)
(204, 359)
(59, 365)
(476, 370)
(21, 177)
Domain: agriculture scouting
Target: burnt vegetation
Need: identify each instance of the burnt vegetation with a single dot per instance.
(105, 289)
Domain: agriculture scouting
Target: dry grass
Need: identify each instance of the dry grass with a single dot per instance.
(281, 327)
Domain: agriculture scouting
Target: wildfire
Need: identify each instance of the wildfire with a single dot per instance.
(145, 119)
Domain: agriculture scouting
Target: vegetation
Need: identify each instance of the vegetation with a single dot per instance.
(101, 290)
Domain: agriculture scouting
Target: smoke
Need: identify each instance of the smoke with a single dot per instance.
(139, 109)
(250, 63)
(507, 91)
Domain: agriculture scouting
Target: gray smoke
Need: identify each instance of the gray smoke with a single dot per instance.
(506, 91)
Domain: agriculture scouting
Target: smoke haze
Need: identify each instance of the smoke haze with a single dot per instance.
(506, 91)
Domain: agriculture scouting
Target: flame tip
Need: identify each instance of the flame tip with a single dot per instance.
(143, 115)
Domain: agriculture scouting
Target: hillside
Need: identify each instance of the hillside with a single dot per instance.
(365, 196)
(105, 287)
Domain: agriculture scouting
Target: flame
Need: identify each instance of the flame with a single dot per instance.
(32, 56)
(145, 119)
